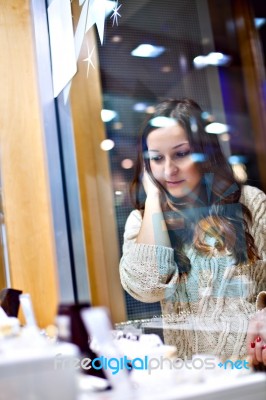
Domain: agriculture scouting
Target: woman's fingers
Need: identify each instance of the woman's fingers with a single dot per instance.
(254, 341)
(256, 338)
(148, 184)
(262, 319)
(252, 353)
(258, 349)
(259, 355)
(252, 334)
(263, 352)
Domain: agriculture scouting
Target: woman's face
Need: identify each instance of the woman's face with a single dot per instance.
(171, 162)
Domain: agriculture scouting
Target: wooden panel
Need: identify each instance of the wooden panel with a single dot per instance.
(25, 189)
(95, 184)
(254, 76)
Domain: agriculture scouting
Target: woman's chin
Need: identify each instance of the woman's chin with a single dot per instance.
(185, 193)
(179, 192)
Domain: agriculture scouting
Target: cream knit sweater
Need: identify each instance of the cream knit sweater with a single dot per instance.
(218, 297)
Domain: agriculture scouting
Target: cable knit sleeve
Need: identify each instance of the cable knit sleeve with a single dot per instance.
(255, 200)
(147, 272)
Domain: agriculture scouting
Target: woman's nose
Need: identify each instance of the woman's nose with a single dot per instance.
(170, 168)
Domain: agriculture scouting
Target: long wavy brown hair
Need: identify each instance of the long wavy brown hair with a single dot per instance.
(215, 212)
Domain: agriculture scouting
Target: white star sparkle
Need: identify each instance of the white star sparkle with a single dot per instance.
(116, 14)
(89, 60)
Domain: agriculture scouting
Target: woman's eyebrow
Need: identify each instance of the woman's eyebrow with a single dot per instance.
(179, 145)
(175, 147)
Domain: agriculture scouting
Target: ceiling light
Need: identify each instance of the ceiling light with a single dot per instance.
(107, 144)
(206, 115)
(259, 22)
(205, 41)
(148, 50)
(109, 7)
(199, 62)
(108, 115)
(166, 69)
(214, 58)
(116, 39)
(217, 58)
(198, 157)
(117, 125)
(225, 137)
(150, 110)
(183, 63)
(217, 128)
(127, 163)
(236, 159)
(162, 122)
(140, 107)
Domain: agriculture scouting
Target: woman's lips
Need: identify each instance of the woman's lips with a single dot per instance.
(175, 183)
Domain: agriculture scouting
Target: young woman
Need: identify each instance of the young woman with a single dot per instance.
(197, 242)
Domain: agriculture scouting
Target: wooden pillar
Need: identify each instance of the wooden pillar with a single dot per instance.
(26, 200)
(95, 183)
(254, 78)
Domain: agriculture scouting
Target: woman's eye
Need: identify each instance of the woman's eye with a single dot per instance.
(182, 154)
(156, 158)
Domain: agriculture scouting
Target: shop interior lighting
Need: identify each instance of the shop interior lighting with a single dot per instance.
(207, 116)
(117, 125)
(166, 69)
(214, 58)
(162, 122)
(225, 137)
(127, 163)
(150, 110)
(237, 159)
(117, 39)
(148, 50)
(259, 22)
(107, 144)
(198, 157)
(216, 128)
(108, 115)
(109, 7)
(140, 107)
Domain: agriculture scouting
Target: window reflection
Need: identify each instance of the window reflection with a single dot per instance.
(132, 86)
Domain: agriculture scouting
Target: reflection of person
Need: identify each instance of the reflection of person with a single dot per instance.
(256, 337)
(197, 243)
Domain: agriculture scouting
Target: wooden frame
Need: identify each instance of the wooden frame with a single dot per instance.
(254, 78)
(26, 192)
(95, 184)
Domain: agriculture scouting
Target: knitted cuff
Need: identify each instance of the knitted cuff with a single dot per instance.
(160, 257)
(261, 301)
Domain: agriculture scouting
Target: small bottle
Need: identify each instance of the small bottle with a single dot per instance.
(72, 329)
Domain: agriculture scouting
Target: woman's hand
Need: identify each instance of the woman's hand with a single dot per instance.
(149, 186)
(153, 228)
(256, 338)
